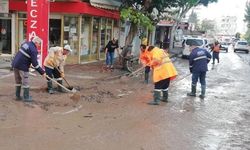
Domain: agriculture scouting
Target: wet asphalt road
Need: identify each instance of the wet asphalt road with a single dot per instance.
(222, 120)
(219, 122)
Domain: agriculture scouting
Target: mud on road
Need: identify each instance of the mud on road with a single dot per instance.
(112, 112)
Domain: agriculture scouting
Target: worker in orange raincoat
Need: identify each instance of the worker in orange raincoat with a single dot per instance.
(216, 51)
(163, 72)
(144, 58)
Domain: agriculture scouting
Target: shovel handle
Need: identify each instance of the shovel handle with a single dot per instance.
(63, 77)
(59, 84)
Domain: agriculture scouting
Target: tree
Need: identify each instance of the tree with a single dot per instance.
(247, 19)
(193, 18)
(237, 35)
(183, 6)
(143, 13)
(207, 25)
(247, 13)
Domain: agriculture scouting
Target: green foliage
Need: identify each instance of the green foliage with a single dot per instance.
(247, 36)
(193, 18)
(207, 25)
(136, 18)
(247, 13)
(237, 35)
(206, 2)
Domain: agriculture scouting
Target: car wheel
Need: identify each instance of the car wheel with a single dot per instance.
(234, 50)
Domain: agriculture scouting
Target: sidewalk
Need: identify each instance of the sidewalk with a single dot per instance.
(5, 62)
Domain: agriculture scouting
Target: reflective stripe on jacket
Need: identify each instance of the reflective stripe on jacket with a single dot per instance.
(162, 66)
(198, 60)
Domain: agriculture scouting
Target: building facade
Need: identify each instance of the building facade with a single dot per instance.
(227, 26)
(85, 26)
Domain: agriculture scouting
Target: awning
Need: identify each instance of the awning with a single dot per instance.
(67, 0)
(165, 23)
(106, 4)
(70, 7)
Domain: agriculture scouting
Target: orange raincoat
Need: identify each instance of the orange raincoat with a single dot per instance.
(145, 58)
(163, 67)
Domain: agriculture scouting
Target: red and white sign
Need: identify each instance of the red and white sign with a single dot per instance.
(38, 24)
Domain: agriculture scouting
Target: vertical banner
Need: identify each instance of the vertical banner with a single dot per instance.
(38, 24)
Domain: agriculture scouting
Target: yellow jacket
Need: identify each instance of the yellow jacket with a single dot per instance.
(161, 64)
(55, 58)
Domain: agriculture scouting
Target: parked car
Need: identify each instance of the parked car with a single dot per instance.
(241, 46)
(186, 45)
(224, 46)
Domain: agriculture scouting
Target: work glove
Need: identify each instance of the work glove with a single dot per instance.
(62, 74)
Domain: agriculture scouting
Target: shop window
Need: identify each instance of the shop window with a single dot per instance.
(95, 36)
(5, 36)
(54, 32)
(103, 38)
(85, 34)
(70, 32)
(22, 29)
(109, 30)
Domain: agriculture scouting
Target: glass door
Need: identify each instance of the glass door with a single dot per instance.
(103, 38)
(95, 39)
(5, 36)
(85, 42)
(55, 32)
(71, 37)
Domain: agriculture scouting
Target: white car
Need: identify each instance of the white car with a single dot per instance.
(224, 46)
(186, 45)
(241, 46)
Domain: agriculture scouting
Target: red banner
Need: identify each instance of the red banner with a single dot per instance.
(38, 24)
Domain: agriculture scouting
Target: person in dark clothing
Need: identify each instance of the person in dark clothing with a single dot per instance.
(110, 51)
(198, 60)
(26, 56)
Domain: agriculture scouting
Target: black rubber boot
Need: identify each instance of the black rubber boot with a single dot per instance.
(146, 78)
(165, 96)
(193, 91)
(26, 95)
(59, 88)
(203, 91)
(18, 93)
(157, 98)
(50, 87)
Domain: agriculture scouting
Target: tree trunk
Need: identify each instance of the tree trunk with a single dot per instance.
(171, 45)
(127, 49)
(131, 34)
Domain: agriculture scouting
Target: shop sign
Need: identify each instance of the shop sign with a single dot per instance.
(37, 24)
(4, 6)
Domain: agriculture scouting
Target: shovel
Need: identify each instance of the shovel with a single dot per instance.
(70, 87)
(75, 97)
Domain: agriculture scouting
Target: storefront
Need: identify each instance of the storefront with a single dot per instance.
(85, 28)
(5, 28)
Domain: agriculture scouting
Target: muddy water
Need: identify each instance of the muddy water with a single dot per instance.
(114, 114)
(222, 119)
